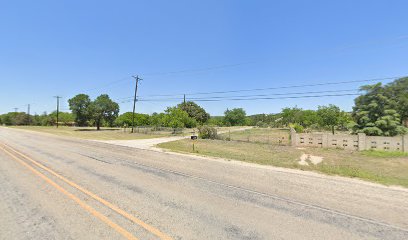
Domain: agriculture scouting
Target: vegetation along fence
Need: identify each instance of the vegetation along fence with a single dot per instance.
(358, 142)
(273, 136)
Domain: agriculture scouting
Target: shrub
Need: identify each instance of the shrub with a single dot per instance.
(261, 124)
(206, 132)
(298, 128)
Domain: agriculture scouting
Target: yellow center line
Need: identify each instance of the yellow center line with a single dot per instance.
(85, 206)
(130, 217)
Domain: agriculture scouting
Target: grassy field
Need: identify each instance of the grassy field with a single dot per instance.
(114, 133)
(387, 168)
(103, 134)
(260, 135)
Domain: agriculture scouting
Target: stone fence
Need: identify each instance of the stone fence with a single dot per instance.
(358, 142)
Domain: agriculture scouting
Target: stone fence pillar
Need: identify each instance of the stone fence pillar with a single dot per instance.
(293, 137)
(405, 143)
(361, 142)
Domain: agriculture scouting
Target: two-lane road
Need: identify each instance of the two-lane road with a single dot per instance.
(60, 188)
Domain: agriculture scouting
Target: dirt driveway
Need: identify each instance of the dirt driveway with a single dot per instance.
(151, 143)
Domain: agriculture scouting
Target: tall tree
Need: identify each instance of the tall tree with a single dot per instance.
(14, 118)
(329, 116)
(291, 115)
(398, 92)
(79, 106)
(126, 119)
(194, 111)
(235, 117)
(177, 118)
(375, 113)
(104, 109)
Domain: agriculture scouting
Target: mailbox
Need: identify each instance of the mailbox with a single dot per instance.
(193, 137)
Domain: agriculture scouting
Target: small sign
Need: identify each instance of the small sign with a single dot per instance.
(193, 137)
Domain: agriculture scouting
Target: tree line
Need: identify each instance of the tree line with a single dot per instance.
(381, 110)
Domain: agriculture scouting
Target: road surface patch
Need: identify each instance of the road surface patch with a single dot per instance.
(130, 217)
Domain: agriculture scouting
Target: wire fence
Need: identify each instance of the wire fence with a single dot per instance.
(270, 136)
(151, 130)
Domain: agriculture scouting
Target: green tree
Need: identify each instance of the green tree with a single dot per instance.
(80, 107)
(103, 109)
(397, 91)
(65, 118)
(177, 118)
(216, 121)
(15, 118)
(375, 113)
(309, 118)
(235, 117)
(291, 115)
(194, 111)
(329, 116)
(156, 119)
(6, 119)
(126, 119)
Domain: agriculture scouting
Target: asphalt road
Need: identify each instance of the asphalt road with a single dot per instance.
(60, 188)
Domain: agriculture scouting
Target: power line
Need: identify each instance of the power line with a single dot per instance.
(257, 95)
(274, 88)
(269, 98)
(198, 69)
(170, 72)
(290, 97)
(108, 84)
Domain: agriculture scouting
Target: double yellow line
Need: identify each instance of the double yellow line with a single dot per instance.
(16, 154)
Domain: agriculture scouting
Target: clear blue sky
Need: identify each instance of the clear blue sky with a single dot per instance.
(50, 48)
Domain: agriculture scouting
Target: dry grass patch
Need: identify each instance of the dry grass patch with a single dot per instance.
(91, 133)
(260, 135)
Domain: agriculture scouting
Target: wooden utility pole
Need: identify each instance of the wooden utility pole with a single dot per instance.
(15, 110)
(58, 98)
(134, 101)
(28, 114)
(184, 99)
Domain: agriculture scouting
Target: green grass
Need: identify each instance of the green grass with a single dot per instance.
(388, 168)
(249, 152)
(384, 154)
(91, 133)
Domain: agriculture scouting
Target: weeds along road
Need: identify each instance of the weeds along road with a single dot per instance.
(60, 188)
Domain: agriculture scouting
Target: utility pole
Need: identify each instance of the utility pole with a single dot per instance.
(184, 99)
(58, 98)
(134, 100)
(15, 110)
(28, 113)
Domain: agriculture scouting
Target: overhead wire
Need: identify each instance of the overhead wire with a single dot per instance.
(258, 95)
(261, 98)
(270, 88)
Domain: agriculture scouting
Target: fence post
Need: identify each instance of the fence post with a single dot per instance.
(405, 143)
(293, 137)
(361, 142)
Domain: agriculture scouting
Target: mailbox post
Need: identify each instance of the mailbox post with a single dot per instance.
(193, 138)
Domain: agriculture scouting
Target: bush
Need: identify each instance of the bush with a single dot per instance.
(298, 128)
(206, 132)
(261, 124)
